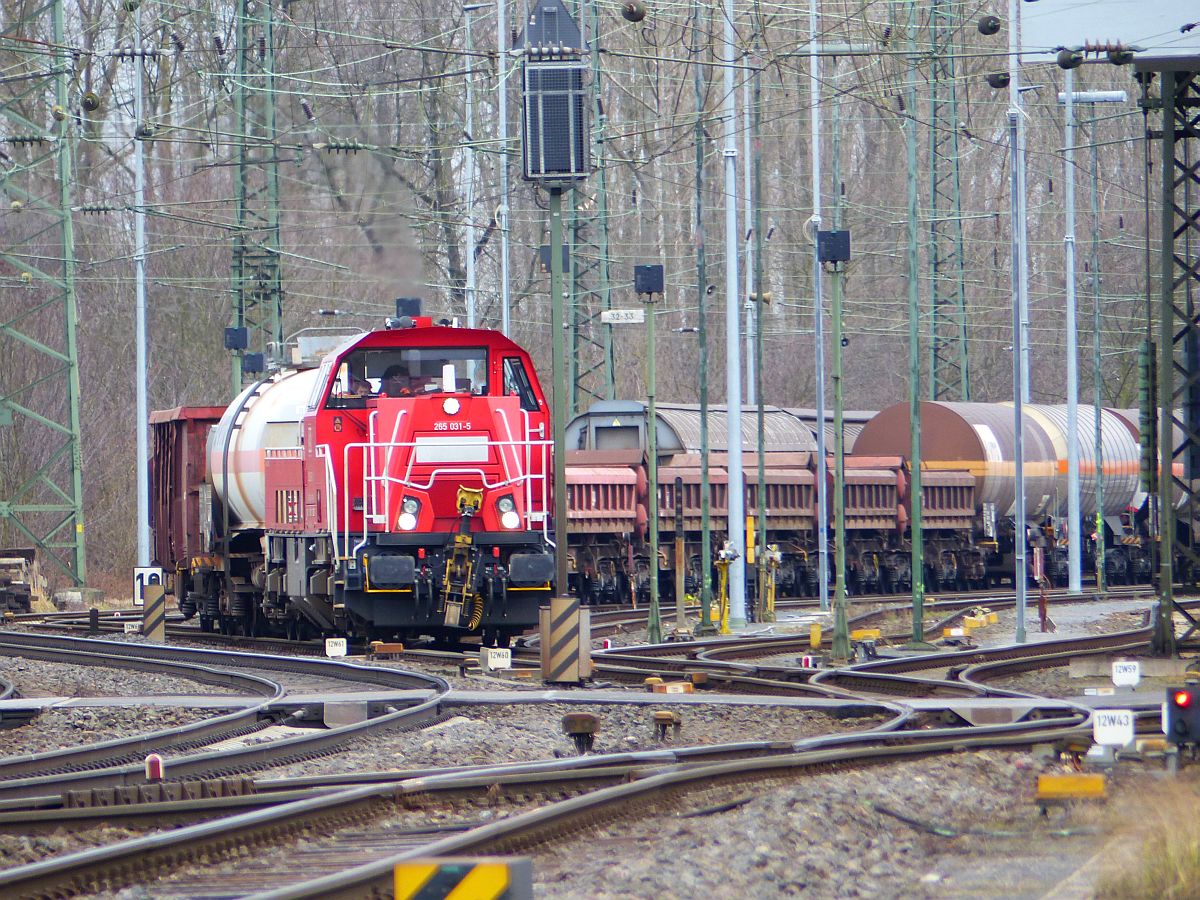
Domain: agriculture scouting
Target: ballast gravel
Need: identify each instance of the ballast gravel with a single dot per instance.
(488, 735)
(59, 729)
(42, 678)
(21, 849)
(825, 835)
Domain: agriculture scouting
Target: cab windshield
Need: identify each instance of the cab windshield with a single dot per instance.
(411, 371)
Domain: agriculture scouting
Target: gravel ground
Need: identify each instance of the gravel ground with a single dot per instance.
(20, 849)
(57, 729)
(41, 678)
(384, 837)
(823, 836)
(492, 735)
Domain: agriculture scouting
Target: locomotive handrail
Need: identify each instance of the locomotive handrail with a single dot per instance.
(528, 465)
(331, 510)
(525, 479)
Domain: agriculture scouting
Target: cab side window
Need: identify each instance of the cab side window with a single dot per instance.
(516, 383)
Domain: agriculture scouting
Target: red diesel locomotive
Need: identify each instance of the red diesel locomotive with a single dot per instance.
(400, 487)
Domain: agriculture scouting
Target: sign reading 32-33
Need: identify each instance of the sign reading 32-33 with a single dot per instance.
(142, 577)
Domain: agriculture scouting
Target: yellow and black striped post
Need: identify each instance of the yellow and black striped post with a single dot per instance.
(154, 612)
(464, 878)
(566, 641)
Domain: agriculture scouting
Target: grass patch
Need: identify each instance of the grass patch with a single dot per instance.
(1162, 824)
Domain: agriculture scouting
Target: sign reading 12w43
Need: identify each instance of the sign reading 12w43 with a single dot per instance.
(1112, 727)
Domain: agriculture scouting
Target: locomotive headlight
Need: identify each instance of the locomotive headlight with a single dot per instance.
(409, 508)
(509, 518)
(451, 406)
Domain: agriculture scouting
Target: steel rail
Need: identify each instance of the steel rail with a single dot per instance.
(243, 759)
(629, 800)
(125, 750)
(141, 858)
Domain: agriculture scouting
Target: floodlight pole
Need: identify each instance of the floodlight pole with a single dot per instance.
(471, 286)
(839, 650)
(552, 81)
(916, 502)
(559, 408)
(139, 268)
(1069, 97)
(654, 617)
(706, 626)
(1019, 536)
(1074, 546)
(821, 486)
(502, 159)
(736, 491)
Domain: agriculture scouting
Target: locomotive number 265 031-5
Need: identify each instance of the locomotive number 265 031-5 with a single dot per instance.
(451, 426)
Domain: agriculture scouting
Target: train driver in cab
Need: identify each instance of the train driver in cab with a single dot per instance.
(397, 383)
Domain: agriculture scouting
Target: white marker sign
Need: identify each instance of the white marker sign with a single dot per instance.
(142, 577)
(335, 647)
(497, 658)
(623, 316)
(1112, 727)
(1126, 672)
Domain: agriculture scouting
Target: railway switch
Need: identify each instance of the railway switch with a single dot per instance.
(1181, 716)
(582, 728)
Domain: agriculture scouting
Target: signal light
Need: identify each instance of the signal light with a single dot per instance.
(1181, 714)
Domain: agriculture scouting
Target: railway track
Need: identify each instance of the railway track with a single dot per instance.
(546, 801)
(595, 790)
(105, 765)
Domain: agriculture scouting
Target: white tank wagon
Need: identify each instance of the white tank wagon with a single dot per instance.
(264, 416)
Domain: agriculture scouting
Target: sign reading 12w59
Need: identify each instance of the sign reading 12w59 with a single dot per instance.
(143, 576)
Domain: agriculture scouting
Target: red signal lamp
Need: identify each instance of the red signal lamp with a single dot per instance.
(1183, 699)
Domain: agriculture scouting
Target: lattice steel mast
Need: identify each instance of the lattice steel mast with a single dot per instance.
(257, 274)
(41, 503)
(1178, 143)
(949, 377)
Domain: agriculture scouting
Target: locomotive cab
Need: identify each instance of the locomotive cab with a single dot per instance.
(400, 488)
(436, 442)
